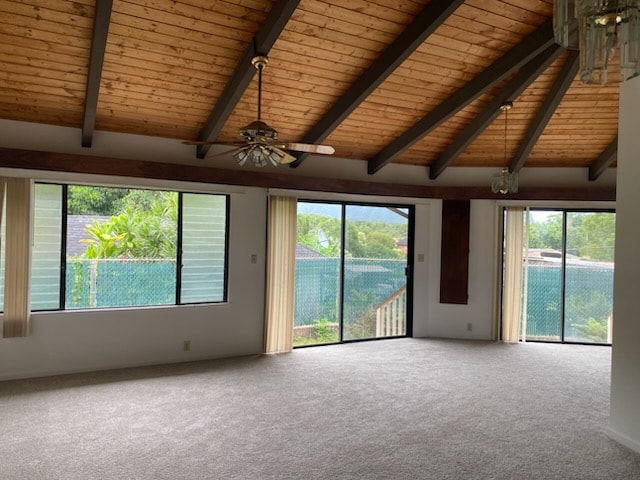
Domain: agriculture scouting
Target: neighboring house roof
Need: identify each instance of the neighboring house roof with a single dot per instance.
(76, 232)
(305, 252)
(548, 256)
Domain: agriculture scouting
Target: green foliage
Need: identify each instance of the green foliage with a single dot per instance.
(319, 233)
(583, 306)
(393, 230)
(599, 236)
(583, 311)
(324, 332)
(83, 200)
(380, 245)
(146, 200)
(364, 239)
(78, 293)
(592, 330)
(112, 238)
(156, 233)
(589, 234)
(546, 234)
(364, 326)
(144, 228)
(354, 247)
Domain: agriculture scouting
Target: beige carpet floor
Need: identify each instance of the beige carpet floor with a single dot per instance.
(392, 409)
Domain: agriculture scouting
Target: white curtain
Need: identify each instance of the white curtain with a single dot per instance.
(17, 288)
(281, 258)
(512, 291)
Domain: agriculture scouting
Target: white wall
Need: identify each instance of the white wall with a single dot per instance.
(423, 245)
(74, 341)
(448, 320)
(63, 342)
(32, 136)
(625, 371)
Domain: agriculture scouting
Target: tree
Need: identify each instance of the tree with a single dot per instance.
(574, 232)
(320, 233)
(598, 231)
(547, 234)
(592, 330)
(380, 245)
(84, 200)
(589, 234)
(105, 240)
(364, 239)
(145, 228)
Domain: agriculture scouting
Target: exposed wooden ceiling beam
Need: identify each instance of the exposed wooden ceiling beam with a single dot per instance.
(557, 91)
(101, 22)
(32, 160)
(273, 25)
(530, 47)
(518, 83)
(430, 18)
(604, 160)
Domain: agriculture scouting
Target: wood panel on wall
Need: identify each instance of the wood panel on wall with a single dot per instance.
(454, 252)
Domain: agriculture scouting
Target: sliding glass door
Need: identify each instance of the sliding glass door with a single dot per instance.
(588, 278)
(568, 276)
(351, 272)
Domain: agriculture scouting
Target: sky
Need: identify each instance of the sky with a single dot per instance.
(373, 213)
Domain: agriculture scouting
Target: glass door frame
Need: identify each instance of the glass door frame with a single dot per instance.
(341, 282)
(564, 211)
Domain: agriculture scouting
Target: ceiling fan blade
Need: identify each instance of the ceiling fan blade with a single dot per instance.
(309, 148)
(230, 151)
(197, 142)
(284, 157)
(206, 142)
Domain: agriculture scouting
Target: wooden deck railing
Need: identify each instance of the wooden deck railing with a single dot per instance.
(391, 319)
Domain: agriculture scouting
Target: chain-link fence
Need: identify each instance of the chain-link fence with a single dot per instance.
(588, 302)
(367, 283)
(95, 283)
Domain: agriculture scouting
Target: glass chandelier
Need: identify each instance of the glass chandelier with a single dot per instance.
(597, 28)
(504, 182)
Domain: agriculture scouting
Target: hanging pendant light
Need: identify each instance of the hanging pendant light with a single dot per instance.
(505, 181)
(597, 28)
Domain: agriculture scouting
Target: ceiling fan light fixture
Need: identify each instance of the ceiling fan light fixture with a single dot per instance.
(275, 156)
(241, 156)
(258, 156)
(597, 28)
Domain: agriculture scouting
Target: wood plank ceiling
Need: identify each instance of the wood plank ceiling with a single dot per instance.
(409, 82)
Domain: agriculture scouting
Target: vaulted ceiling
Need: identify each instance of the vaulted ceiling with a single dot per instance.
(407, 82)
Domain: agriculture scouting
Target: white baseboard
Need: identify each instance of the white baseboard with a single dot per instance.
(623, 439)
(38, 373)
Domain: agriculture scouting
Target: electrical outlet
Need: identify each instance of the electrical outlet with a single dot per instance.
(421, 257)
(469, 327)
(186, 345)
(254, 258)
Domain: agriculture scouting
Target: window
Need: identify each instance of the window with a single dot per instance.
(102, 247)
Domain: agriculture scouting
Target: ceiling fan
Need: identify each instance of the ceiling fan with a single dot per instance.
(260, 144)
